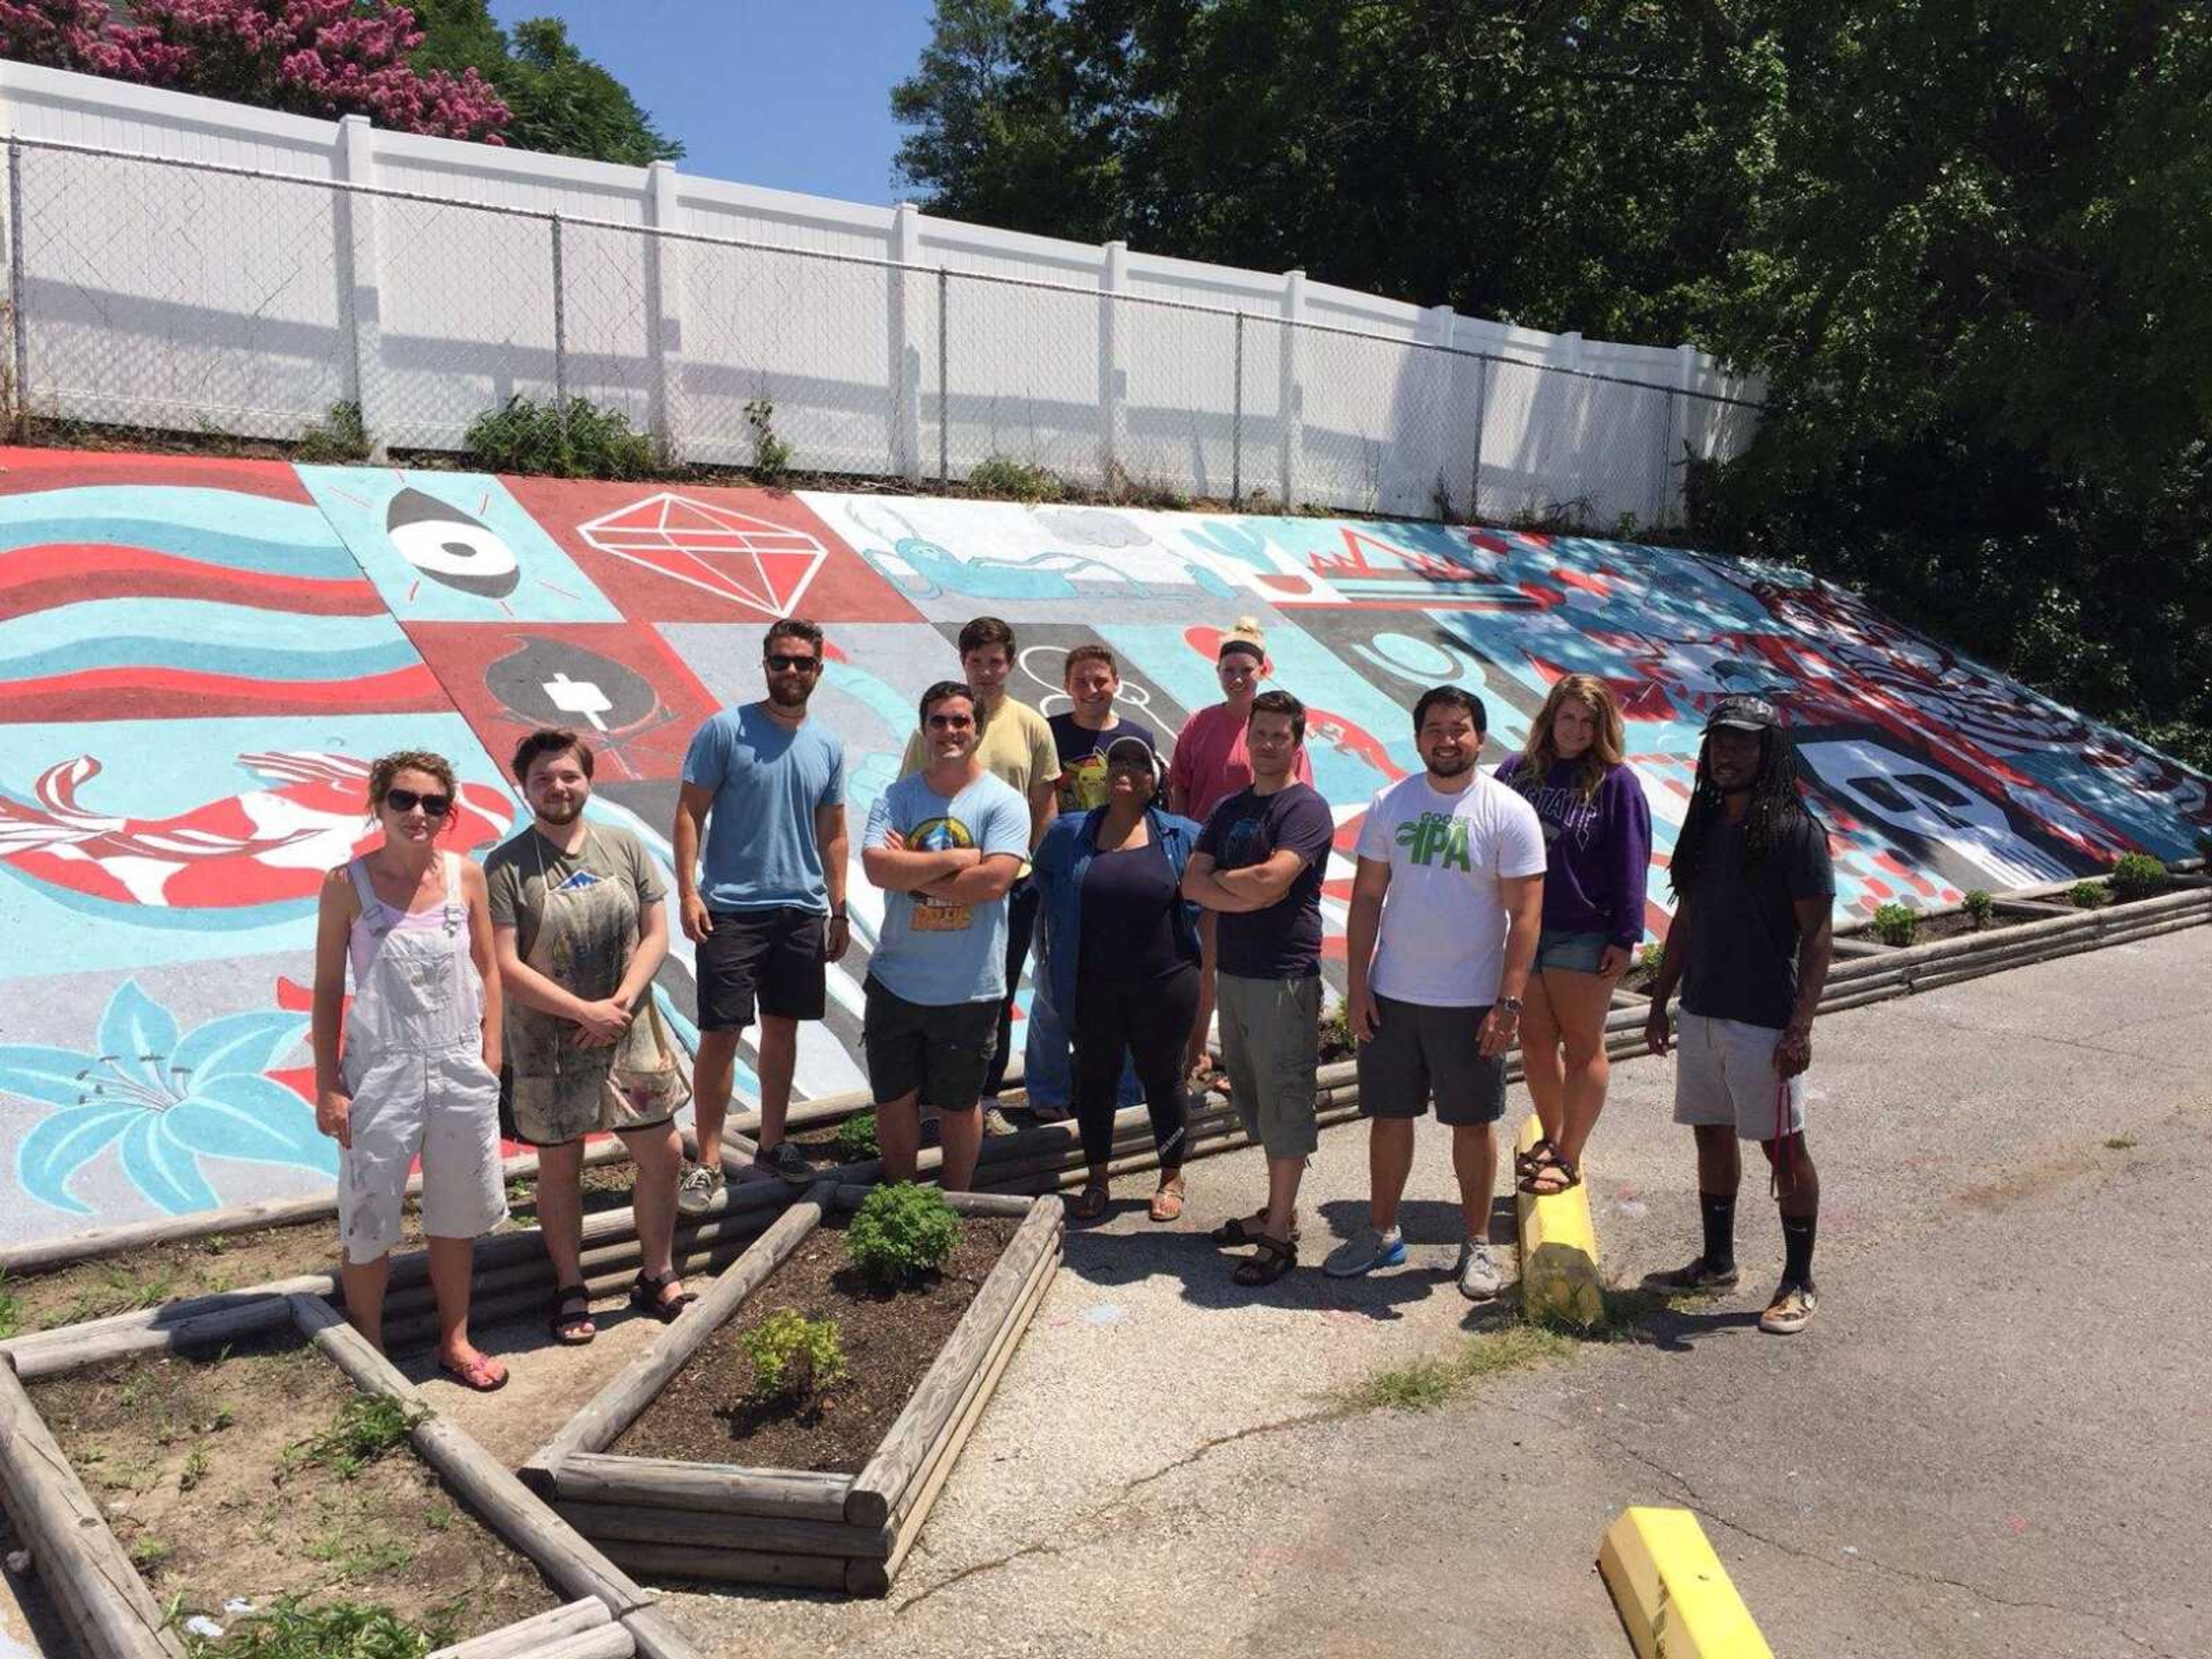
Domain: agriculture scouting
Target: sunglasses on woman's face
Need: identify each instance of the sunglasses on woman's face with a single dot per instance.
(406, 800)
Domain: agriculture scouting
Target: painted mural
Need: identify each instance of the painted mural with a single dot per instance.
(200, 657)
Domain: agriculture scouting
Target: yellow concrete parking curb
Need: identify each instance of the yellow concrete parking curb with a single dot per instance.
(1559, 1250)
(1672, 1593)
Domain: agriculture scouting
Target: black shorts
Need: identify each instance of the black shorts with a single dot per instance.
(1418, 1051)
(774, 957)
(938, 1055)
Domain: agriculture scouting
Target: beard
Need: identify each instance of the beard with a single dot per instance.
(789, 696)
(1449, 768)
(560, 815)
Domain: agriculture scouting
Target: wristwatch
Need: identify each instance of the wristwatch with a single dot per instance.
(1510, 1004)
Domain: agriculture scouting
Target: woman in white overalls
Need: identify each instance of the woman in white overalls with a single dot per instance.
(418, 1075)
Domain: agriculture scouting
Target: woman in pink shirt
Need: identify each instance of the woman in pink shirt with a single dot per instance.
(1209, 764)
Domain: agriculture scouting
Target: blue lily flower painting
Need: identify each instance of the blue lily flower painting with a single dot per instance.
(162, 1103)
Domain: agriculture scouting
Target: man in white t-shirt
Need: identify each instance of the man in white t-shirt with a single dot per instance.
(1446, 909)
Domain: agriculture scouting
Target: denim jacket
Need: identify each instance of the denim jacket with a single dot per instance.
(1061, 859)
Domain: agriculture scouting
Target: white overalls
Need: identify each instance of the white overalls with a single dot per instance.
(413, 1064)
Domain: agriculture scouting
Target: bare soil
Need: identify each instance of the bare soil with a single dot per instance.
(890, 1339)
(145, 1277)
(203, 1468)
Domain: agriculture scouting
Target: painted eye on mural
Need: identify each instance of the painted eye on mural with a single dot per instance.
(448, 546)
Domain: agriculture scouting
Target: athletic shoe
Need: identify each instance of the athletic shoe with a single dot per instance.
(1790, 1311)
(1365, 1251)
(1477, 1273)
(697, 1193)
(786, 1160)
(996, 1122)
(1698, 1276)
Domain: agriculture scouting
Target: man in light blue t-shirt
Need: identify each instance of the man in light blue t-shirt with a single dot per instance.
(944, 844)
(770, 914)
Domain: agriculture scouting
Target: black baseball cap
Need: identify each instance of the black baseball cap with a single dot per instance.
(1742, 714)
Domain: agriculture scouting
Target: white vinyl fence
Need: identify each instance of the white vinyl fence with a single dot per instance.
(186, 264)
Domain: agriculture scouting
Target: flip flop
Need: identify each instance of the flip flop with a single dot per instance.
(483, 1373)
(1090, 1203)
(1167, 1203)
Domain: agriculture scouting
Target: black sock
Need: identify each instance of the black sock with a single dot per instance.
(1797, 1251)
(1718, 1210)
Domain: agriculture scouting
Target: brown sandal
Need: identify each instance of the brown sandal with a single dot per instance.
(1268, 1263)
(1167, 1203)
(1090, 1203)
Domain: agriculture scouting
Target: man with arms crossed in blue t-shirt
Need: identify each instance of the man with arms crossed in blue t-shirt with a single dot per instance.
(944, 844)
(771, 913)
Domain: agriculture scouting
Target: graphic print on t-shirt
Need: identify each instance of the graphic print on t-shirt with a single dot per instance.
(1436, 841)
(1245, 843)
(936, 916)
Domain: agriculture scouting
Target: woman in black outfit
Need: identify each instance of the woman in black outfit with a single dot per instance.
(1123, 958)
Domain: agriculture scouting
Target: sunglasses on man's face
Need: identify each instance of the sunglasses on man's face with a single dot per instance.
(783, 662)
(406, 800)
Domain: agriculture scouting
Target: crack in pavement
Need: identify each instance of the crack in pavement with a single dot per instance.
(1128, 1489)
(1701, 1505)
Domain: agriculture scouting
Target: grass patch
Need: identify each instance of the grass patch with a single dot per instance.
(11, 1310)
(364, 1429)
(1427, 1383)
(349, 1556)
(341, 1630)
(2120, 1144)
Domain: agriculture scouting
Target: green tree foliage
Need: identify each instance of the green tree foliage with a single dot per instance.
(559, 99)
(1962, 242)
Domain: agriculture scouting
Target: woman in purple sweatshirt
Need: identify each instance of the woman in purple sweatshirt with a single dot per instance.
(1597, 830)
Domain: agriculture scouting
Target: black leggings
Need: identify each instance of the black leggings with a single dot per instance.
(1149, 1021)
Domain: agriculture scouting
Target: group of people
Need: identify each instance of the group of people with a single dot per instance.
(1488, 911)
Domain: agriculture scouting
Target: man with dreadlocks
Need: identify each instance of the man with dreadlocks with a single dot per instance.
(1750, 944)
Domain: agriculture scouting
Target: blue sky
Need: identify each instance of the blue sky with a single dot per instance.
(794, 93)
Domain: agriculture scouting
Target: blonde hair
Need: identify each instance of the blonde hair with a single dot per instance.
(1608, 745)
(388, 767)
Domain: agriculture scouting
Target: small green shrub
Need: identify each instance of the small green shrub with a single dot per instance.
(771, 454)
(794, 1358)
(1896, 924)
(338, 439)
(2137, 875)
(1020, 481)
(1979, 907)
(1336, 1034)
(901, 1232)
(1651, 956)
(2087, 894)
(856, 1138)
(336, 1630)
(524, 436)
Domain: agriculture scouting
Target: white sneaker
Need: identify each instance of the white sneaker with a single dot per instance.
(697, 1193)
(1478, 1272)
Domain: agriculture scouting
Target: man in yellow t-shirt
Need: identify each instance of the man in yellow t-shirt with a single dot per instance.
(1016, 749)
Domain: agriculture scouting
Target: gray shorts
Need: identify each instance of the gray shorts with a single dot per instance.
(1418, 1051)
(1725, 1077)
(1270, 1047)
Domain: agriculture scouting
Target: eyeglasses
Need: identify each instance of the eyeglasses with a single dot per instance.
(406, 800)
(783, 662)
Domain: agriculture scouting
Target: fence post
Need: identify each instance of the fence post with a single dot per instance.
(1437, 325)
(664, 295)
(1112, 382)
(1481, 421)
(19, 325)
(560, 334)
(360, 284)
(1678, 432)
(905, 354)
(1236, 426)
(944, 383)
(1290, 401)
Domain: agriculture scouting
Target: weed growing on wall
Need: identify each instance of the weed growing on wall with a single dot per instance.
(524, 436)
(338, 439)
(1019, 481)
(771, 454)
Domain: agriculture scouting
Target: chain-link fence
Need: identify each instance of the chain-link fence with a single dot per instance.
(153, 292)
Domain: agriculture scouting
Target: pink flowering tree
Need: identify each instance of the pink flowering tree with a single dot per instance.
(326, 57)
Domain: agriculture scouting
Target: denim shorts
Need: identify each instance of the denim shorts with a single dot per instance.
(1578, 953)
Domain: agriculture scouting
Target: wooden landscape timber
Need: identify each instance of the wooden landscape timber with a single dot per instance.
(722, 1524)
(113, 1615)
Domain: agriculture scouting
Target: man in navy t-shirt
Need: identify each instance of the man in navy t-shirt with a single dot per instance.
(1259, 863)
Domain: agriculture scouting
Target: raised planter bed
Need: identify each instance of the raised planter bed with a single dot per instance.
(238, 1483)
(843, 1519)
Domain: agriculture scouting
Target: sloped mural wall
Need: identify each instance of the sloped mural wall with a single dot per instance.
(200, 657)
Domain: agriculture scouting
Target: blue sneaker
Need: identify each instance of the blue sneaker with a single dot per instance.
(1365, 1251)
